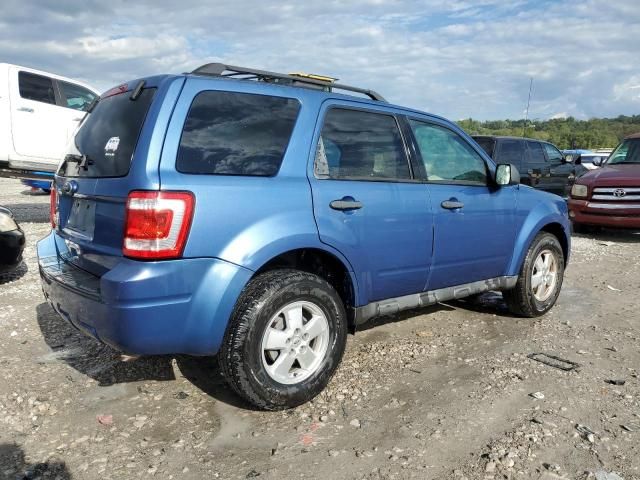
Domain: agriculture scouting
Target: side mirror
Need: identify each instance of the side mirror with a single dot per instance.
(566, 159)
(578, 160)
(597, 161)
(507, 174)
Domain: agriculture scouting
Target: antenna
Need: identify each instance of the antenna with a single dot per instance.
(526, 115)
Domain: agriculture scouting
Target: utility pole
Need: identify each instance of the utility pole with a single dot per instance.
(526, 115)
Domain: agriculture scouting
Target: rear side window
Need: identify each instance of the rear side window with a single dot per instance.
(104, 145)
(36, 87)
(229, 133)
(511, 151)
(75, 96)
(536, 154)
(358, 145)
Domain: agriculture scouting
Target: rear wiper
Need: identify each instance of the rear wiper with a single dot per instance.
(83, 161)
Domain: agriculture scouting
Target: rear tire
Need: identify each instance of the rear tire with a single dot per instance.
(540, 278)
(285, 339)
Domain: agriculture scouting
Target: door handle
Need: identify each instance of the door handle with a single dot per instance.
(77, 119)
(451, 204)
(346, 204)
(25, 109)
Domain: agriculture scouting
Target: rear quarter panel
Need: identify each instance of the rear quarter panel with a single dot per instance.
(242, 219)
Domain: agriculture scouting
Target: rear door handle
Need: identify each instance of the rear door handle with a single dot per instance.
(451, 204)
(346, 204)
(25, 109)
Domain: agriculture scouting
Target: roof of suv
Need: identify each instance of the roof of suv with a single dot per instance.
(633, 135)
(218, 71)
(508, 137)
(294, 79)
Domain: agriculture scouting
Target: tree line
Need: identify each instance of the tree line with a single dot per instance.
(565, 133)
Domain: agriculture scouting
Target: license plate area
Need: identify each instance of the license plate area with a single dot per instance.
(81, 220)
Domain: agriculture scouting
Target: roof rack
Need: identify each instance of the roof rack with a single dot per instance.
(222, 70)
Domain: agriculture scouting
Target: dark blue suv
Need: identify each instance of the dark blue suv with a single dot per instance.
(261, 216)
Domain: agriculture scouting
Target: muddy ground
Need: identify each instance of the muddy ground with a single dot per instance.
(442, 392)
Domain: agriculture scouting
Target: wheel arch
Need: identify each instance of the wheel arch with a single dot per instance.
(556, 225)
(325, 263)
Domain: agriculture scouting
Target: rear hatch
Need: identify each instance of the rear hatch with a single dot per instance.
(107, 158)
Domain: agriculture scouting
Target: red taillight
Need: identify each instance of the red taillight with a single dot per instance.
(53, 207)
(157, 224)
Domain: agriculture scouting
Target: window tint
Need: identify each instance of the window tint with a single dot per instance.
(487, 144)
(447, 156)
(362, 146)
(75, 96)
(106, 140)
(553, 154)
(536, 155)
(36, 87)
(511, 151)
(229, 133)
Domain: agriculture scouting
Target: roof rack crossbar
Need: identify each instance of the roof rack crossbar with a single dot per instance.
(222, 70)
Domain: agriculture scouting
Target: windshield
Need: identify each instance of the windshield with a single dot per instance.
(627, 152)
(104, 144)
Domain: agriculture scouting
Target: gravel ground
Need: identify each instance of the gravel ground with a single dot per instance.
(438, 393)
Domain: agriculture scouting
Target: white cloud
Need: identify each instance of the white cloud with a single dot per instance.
(460, 59)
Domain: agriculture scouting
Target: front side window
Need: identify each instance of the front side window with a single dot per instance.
(359, 145)
(36, 87)
(536, 154)
(75, 96)
(627, 152)
(447, 157)
(229, 133)
(553, 154)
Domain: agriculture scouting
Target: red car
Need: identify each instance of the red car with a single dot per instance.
(610, 196)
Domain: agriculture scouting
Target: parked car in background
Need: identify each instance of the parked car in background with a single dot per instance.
(541, 164)
(573, 154)
(260, 216)
(11, 241)
(591, 161)
(610, 196)
(39, 111)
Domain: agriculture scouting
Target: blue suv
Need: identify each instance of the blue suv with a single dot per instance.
(262, 216)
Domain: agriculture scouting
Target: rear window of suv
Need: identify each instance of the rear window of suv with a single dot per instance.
(230, 133)
(104, 145)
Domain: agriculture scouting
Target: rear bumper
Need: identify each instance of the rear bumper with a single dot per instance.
(584, 212)
(146, 308)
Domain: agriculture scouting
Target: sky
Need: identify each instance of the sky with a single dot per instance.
(457, 58)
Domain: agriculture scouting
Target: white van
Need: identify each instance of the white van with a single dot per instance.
(38, 113)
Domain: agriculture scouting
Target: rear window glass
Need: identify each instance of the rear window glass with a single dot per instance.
(104, 145)
(536, 154)
(512, 151)
(229, 133)
(36, 87)
(487, 144)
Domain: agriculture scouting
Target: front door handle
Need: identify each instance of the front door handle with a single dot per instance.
(25, 109)
(451, 204)
(346, 204)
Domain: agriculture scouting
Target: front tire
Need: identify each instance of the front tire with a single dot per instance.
(285, 339)
(540, 278)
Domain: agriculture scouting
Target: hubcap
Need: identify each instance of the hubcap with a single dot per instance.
(295, 342)
(544, 275)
